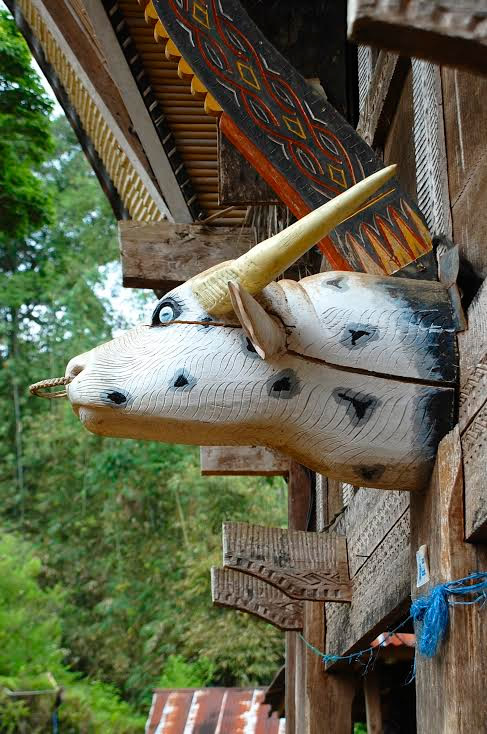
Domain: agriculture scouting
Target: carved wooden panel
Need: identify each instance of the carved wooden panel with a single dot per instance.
(444, 31)
(295, 139)
(246, 593)
(380, 592)
(250, 461)
(303, 565)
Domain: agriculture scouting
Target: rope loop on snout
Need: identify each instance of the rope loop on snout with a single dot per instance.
(38, 388)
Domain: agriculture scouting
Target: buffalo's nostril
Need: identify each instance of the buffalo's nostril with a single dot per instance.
(75, 367)
(117, 397)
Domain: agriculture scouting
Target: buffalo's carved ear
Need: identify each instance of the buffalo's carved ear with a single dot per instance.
(266, 333)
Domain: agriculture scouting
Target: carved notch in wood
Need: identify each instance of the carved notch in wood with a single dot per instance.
(303, 565)
(246, 593)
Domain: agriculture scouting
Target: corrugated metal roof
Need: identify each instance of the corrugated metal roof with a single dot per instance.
(211, 711)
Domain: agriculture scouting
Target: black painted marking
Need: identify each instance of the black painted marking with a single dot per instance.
(360, 406)
(370, 473)
(358, 335)
(250, 346)
(182, 380)
(117, 397)
(283, 385)
(339, 282)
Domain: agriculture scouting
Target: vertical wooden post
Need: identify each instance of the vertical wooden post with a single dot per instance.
(316, 701)
(299, 500)
(450, 687)
(373, 707)
(328, 696)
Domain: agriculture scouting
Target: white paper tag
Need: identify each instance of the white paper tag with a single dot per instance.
(423, 571)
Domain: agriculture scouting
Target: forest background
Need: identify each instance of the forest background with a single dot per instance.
(105, 545)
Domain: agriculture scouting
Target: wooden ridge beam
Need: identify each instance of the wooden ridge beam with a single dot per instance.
(303, 565)
(156, 254)
(252, 461)
(235, 590)
(446, 32)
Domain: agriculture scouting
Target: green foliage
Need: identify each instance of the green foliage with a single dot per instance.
(30, 647)
(359, 729)
(124, 532)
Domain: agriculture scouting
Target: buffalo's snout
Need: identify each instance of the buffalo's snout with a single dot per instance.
(76, 365)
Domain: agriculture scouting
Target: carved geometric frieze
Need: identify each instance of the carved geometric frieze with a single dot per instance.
(311, 566)
(246, 593)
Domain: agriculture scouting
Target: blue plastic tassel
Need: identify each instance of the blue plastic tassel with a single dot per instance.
(432, 612)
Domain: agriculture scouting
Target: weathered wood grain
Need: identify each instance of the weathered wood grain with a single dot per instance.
(473, 416)
(373, 708)
(368, 521)
(465, 120)
(381, 590)
(246, 593)
(382, 97)
(444, 31)
(327, 697)
(399, 143)
(161, 251)
(238, 181)
(450, 688)
(303, 565)
(228, 461)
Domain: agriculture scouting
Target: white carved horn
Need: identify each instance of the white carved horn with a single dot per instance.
(267, 260)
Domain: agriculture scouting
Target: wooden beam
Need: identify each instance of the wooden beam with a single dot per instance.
(446, 32)
(328, 697)
(157, 252)
(373, 709)
(473, 416)
(135, 103)
(450, 687)
(252, 461)
(230, 588)
(87, 64)
(303, 565)
(238, 181)
(382, 98)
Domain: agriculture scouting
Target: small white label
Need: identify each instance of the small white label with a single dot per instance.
(423, 571)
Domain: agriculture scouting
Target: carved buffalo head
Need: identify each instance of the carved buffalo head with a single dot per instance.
(228, 359)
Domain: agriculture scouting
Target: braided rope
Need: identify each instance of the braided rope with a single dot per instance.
(37, 387)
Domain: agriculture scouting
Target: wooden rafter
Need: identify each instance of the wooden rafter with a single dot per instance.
(156, 139)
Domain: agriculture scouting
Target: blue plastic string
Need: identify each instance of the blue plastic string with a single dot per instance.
(430, 614)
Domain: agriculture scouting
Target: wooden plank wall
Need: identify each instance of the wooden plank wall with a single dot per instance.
(383, 529)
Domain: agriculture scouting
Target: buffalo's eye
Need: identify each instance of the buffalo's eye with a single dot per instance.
(165, 312)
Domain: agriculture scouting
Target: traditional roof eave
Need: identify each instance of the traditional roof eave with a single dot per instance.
(94, 96)
(62, 96)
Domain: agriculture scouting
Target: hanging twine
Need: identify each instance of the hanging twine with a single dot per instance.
(431, 614)
(38, 388)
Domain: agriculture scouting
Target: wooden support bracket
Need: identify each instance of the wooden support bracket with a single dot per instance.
(160, 252)
(252, 461)
(303, 565)
(246, 593)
